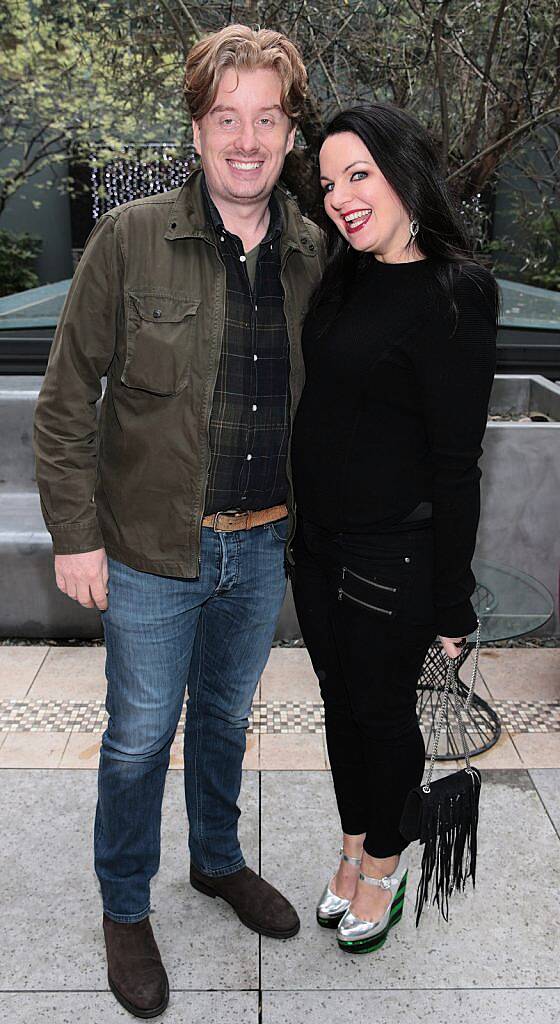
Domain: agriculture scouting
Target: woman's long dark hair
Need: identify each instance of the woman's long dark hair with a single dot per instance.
(407, 157)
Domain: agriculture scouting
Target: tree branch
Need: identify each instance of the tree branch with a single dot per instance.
(338, 32)
(544, 53)
(499, 143)
(318, 57)
(442, 86)
(185, 42)
(191, 20)
(479, 114)
(461, 53)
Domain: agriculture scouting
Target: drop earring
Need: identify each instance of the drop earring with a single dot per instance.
(414, 225)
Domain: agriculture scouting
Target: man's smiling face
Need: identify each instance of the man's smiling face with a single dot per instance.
(245, 136)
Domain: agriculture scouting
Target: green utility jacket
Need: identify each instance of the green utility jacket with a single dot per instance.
(146, 308)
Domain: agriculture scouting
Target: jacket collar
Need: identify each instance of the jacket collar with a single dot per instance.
(274, 228)
(190, 217)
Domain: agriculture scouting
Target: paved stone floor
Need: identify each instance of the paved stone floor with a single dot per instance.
(52, 710)
(496, 961)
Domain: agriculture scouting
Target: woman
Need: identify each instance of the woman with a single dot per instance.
(399, 348)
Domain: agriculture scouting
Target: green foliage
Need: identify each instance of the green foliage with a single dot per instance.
(548, 277)
(542, 262)
(530, 251)
(17, 257)
(77, 74)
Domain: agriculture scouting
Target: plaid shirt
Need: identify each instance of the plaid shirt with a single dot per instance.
(250, 421)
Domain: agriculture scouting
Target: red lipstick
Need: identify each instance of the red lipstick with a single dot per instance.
(351, 226)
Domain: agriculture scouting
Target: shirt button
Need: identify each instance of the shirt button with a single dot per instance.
(407, 559)
(157, 313)
(254, 408)
(255, 357)
(243, 259)
(249, 457)
(222, 239)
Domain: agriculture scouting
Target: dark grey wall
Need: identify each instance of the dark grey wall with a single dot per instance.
(504, 224)
(50, 220)
(512, 182)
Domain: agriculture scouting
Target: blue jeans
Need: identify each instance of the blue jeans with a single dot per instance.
(211, 636)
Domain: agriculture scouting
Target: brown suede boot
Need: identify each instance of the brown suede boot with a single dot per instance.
(136, 974)
(257, 904)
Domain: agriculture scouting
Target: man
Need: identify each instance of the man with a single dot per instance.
(191, 303)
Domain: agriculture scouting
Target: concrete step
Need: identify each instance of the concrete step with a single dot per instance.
(31, 605)
(18, 397)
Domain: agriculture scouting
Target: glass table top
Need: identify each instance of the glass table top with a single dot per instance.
(523, 305)
(508, 602)
(37, 307)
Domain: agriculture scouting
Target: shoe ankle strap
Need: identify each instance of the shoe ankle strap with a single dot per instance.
(350, 860)
(387, 882)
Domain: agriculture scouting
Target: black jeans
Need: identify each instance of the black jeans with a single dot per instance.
(365, 607)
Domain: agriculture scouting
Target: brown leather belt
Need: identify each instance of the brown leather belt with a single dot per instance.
(227, 522)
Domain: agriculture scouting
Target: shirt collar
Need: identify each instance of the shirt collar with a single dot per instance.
(275, 226)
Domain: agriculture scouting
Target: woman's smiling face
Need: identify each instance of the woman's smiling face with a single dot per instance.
(360, 201)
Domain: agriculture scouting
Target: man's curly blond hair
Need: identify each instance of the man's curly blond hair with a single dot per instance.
(243, 48)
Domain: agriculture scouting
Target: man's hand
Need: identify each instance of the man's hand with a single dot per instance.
(84, 577)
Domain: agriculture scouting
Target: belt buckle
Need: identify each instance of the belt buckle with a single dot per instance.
(233, 513)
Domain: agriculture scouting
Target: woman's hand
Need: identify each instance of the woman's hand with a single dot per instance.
(453, 645)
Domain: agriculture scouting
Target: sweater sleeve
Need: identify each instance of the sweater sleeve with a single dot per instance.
(456, 370)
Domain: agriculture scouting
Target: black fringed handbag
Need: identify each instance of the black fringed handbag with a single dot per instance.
(443, 815)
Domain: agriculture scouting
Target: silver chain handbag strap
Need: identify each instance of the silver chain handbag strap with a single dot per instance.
(451, 682)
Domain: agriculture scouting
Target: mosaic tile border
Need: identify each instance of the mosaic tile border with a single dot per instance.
(276, 717)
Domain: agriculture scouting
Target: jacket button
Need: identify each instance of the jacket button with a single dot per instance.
(174, 224)
(157, 313)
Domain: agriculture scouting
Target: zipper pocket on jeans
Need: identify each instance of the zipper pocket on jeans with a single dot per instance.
(363, 579)
(343, 593)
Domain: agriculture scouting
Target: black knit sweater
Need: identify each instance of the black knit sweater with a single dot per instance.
(393, 413)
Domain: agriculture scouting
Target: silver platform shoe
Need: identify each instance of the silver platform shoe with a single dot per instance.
(355, 935)
(332, 908)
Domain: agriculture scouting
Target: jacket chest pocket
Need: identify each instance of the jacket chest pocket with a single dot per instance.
(159, 338)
